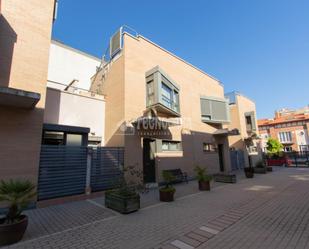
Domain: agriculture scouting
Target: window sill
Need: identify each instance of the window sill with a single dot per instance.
(170, 153)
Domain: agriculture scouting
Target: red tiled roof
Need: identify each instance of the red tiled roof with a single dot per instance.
(283, 119)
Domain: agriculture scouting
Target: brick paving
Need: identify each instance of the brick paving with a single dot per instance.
(269, 211)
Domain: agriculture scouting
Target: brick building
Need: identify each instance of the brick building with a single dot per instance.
(290, 127)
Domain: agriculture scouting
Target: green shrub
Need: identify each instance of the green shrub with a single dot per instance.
(201, 174)
(168, 179)
(18, 194)
(274, 147)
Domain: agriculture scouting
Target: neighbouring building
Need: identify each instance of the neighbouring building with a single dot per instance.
(69, 103)
(290, 127)
(25, 34)
(165, 112)
(245, 149)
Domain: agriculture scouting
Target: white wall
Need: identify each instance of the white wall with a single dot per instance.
(66, 64)
(67, 108)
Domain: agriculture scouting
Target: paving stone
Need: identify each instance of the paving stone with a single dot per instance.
(181, 245)
(195, 236)
(190, 241)
(203, 233)
(273, 217)
(219, 223)
(215, 227)
(209, 230)
(169, 247)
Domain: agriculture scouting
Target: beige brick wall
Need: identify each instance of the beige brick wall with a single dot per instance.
(124, 85)
(25, 32)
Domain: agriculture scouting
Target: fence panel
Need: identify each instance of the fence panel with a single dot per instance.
(106, 164)
(62, 171)
(237, 159)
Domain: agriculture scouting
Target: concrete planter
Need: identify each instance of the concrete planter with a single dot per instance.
(226, 178)
(121, 203)
(269, 168)
(260, 170)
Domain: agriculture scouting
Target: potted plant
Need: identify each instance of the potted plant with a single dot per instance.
(17, 194)
(125, 198)
(260, 168)
(203, 178)
(249, 172)
(167, 191)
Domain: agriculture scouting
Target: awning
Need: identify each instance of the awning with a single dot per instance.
(226, 132)
(66, 128)
(155, 123)
(18, 98)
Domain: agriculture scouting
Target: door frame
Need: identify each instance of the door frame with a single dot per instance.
(221, 157)
(153, 161)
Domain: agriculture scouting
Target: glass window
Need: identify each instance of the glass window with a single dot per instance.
(164, 145)
(171, 146)
(74, 139)
(214, 110)
(166, 95)
(209, 147)
(53, 138)
(285, 137)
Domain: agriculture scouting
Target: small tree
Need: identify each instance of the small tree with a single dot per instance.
(274, 147)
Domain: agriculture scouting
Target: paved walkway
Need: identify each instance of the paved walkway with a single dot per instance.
(269, 211)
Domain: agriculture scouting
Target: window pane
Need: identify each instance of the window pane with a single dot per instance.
(74, 140)
(173, 146)
(166, 95)
(164, 145)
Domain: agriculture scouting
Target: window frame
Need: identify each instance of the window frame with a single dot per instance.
(158, 78)
(169, 142)
(208, 118)
(212, 147)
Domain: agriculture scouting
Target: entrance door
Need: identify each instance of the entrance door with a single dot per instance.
(149, 160)
(221, 157)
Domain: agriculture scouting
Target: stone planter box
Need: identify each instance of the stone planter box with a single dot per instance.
(226, 178)
(122, 204)
(260, 170)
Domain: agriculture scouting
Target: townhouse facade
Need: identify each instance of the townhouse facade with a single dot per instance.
(25, 34)
(244, 120)
(290, 127)
(162, 111)
(165, 112)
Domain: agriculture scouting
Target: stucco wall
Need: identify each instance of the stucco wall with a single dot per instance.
(67, 64)
(25, 32)
(72, 109)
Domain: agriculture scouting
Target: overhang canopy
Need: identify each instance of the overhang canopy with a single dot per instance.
(226, 132)
(66, 128)
(18, 98)
(155, 123)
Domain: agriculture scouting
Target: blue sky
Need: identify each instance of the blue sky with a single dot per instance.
(257, 47)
